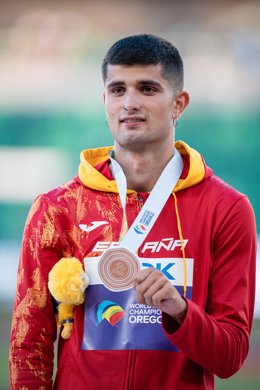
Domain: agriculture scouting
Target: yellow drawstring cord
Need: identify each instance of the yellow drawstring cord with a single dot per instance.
(182, 247)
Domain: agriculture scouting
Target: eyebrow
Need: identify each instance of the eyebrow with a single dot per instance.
(115, 83)
(150, 82)
(140, 82)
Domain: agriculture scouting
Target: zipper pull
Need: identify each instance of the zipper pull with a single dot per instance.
(141, 200)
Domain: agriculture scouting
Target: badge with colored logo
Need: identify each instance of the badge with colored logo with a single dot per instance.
(140, 229)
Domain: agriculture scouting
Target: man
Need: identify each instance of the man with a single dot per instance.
(179, 313)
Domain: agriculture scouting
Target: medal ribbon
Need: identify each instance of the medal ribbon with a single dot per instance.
(135, 236)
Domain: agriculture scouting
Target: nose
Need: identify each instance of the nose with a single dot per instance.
(131, 102)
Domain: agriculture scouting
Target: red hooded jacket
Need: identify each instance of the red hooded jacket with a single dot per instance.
(217, 225)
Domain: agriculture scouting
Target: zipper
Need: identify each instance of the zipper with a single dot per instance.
(142, 198)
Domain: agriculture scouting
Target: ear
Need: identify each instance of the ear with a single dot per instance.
(104, 97)
(181, 101)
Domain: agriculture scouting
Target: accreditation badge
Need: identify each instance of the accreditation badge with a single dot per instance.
(113, 319)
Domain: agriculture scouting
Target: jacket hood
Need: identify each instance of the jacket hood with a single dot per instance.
(90, 160)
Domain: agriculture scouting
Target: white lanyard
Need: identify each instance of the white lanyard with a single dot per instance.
(153, 205)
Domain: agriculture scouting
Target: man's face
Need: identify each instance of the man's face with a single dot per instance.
(140, 105)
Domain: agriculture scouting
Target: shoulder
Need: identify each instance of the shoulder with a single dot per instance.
(220, 201)
(61, 194)
(221, 190)
(53, 201)
(228, 203)
(61, 191)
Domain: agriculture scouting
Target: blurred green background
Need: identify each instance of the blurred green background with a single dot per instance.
(51, 107)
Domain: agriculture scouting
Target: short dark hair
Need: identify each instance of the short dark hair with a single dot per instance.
(146, 49)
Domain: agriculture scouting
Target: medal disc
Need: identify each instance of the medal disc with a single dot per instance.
(117, 268)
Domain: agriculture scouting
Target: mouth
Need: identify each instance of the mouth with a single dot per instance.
(131, 120)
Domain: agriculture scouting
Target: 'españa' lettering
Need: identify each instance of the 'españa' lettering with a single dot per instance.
(168, 244)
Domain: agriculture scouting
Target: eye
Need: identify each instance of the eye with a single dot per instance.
(148, 90)
(118, 91)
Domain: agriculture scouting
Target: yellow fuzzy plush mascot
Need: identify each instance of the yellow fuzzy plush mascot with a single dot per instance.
(67, 284)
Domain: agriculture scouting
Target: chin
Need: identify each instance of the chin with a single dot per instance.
(133, 143)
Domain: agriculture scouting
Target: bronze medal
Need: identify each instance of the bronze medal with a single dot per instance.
(117, 268)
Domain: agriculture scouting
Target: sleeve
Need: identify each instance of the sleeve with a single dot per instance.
(218, 338)
(33, 330)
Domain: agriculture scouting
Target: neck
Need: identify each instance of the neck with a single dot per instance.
(143, 169)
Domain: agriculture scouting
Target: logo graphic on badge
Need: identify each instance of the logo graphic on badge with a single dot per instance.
(117, 268)
(110, 311)
(140, 229)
